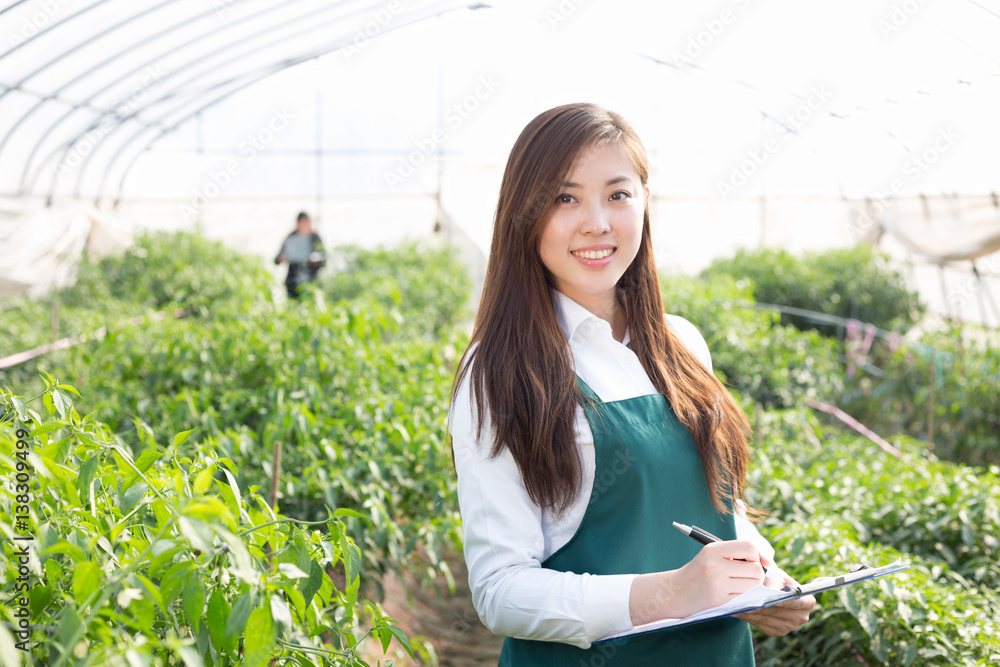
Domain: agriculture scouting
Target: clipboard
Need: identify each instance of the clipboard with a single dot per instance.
(761, 597)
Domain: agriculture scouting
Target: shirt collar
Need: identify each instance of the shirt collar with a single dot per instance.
(570, 315)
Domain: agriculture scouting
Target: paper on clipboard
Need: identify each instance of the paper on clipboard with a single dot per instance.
(761, 597)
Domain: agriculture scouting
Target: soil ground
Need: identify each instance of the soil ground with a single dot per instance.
(447, 622)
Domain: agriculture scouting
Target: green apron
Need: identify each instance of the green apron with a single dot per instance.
(648, 474)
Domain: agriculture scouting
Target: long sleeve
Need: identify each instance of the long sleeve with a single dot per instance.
(505, 544)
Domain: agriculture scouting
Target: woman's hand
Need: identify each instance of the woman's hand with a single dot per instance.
(782, 618)
(720, 572)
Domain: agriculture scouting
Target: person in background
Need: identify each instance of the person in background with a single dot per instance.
(584, 421)
(303, 250)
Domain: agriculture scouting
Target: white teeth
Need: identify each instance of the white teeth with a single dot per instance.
(593, 254)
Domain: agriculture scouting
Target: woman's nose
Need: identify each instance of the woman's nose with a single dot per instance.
(594, 219)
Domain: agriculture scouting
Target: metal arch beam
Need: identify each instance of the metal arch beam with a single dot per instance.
(87, 72)
(282, 66)
(48, 29)
(8, 8)
(28, 179)
(180, 89)
(91, 39)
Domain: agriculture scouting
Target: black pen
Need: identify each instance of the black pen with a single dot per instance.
(703, 536)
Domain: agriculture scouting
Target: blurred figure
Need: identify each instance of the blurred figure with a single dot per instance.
(303, 250)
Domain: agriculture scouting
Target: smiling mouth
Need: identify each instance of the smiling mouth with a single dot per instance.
(592, 254)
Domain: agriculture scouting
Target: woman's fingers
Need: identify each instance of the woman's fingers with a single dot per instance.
(782, 618)
(726, 569)
(742, 550)
(777, 583)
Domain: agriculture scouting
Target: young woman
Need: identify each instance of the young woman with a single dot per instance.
(584, 422)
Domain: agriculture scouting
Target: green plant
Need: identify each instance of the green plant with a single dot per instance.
(428, 284)
(836, 501)
(850, 283)
(171, 270)
(355, 390)
(757, 356)
(157, 555)
(949, 376)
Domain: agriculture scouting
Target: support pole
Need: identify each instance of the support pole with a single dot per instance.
(931, 401)
(276, 473)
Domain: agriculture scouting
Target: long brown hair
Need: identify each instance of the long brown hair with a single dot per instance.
(518, 361)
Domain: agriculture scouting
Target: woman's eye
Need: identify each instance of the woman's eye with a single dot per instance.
(564, 199)
(620, 195)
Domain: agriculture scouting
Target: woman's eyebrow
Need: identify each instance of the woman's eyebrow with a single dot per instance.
(613, 181)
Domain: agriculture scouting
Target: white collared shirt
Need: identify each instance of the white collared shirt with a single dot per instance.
(507, 536)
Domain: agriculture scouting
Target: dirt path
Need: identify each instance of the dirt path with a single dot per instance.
(449, 623)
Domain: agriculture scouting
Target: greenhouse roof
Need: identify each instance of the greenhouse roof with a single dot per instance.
(88, 86)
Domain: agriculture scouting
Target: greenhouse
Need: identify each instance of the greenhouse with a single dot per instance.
(246, 245)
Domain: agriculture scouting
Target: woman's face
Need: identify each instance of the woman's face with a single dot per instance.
(592, 234)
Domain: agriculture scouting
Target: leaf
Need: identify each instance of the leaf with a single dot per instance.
(144, 613)
(152, 590)
(880, 647)
(193, 598)
(189, 655)
(849, 601)
(182, 437)
(216, 616)
(163, 553)
(87, 472)
(343, 511)
(9, 656)
(905, 612)
(68, 388)
(86, 580)
(131, 496)
(209, 510)
(866, 617)
(296, 599)
(259, 638)
(46, 429)
(309, 587)
(67, 626)
(291, 571)
(20, 409)
(238, 616)
(203, 479)
(68, 548)
(147, 458)
(196, 532)
(40, 598)
(280, 613)
(401, 638)
(242, 565)
(236, 492)
(61, 402)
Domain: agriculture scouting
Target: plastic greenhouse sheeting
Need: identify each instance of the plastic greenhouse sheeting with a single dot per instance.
(88, 86)
(41, 250)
